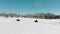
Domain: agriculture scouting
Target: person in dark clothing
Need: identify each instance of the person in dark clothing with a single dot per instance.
(36, 20)
(18, 20)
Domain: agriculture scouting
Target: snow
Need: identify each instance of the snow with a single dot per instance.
(28, 26)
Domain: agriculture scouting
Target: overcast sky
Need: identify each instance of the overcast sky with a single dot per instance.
(30, 6)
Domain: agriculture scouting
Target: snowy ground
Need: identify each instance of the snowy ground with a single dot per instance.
(28, 26)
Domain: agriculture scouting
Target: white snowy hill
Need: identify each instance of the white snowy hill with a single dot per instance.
(28, 26)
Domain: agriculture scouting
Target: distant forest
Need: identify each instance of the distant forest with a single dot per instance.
(43, 16)
(37, 15)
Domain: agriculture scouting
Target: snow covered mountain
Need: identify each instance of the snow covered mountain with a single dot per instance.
(28, 26)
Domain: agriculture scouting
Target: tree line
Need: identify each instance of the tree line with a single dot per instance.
(42, 16)
(37, 15)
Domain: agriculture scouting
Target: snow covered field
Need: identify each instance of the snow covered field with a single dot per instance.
(28, 26)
